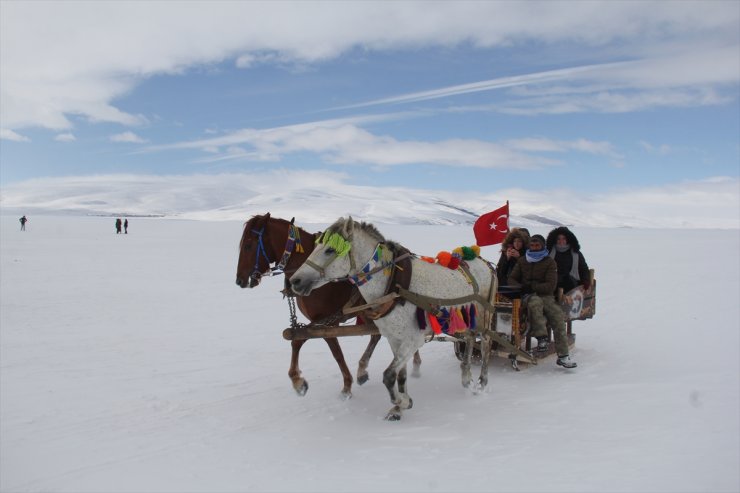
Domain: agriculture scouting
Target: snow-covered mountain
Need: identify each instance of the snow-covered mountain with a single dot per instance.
(321, 197)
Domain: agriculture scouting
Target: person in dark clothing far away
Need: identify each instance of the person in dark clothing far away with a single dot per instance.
(118, 226)
(23, 221)
(125, 226)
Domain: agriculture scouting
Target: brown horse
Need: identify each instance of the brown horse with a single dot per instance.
(267, 240)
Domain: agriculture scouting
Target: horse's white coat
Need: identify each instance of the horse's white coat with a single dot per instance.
(400, 326)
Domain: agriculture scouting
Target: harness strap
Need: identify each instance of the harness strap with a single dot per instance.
(431, 305)
(292, 244)
(260, 249)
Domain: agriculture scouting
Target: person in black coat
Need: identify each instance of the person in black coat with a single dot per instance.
(566, 251)
(514, 246)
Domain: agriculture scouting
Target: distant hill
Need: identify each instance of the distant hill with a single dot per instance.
(321, 197)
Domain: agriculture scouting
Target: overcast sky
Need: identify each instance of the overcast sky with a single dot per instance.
(588, 97)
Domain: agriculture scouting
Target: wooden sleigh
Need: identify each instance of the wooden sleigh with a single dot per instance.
(510, 339)
(577, 304)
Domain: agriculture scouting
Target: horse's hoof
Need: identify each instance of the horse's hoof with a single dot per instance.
(467, 383)
(345, 395)
(416, 373)
(393, 416)
(362, 378)
(302, 389)
(411, 403)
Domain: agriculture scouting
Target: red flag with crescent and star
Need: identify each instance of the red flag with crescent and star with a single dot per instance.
(491, 228)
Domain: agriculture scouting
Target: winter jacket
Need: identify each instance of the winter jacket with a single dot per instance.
(505, 265)
(535, 277)
(564, 260)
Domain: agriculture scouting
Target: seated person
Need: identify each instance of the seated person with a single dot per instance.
(536, 276)
(513, 247)
(566, 251)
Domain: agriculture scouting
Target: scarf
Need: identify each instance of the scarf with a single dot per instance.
(574, 266)
(533, 257)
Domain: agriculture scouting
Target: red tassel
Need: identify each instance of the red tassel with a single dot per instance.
(436, 328)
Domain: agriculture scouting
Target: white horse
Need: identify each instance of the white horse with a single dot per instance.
(349, 250)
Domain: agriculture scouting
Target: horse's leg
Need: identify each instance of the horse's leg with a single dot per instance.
(396, 372)
(416, 372)
(389, 380)
(336, 351)
(485, 347)
(362, 376)
(407, 401)
(467, 376)
(299, 383)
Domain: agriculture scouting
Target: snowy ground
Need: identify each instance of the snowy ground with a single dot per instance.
(134, 363)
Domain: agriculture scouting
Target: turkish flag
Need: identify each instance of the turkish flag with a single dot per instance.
(491, 228)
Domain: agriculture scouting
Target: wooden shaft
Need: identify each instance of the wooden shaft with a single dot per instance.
(329, 331)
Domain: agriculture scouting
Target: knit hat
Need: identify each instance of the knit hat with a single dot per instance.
(538, 238)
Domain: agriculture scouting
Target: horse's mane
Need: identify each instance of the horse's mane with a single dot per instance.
(340, 227)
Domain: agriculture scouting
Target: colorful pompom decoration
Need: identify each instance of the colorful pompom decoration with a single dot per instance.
(468, 253)
(444, 258)
(454, 261)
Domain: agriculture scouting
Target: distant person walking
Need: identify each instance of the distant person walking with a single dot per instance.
(125, 226)
(118, 226)
(23, 221)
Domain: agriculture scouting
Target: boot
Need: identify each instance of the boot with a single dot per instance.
(566, 362)
(542, 344)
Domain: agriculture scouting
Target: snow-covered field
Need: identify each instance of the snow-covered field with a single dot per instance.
(134, 363)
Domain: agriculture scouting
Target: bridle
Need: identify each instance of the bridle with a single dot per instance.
(292, 244)
(256, 275)
(358, 277)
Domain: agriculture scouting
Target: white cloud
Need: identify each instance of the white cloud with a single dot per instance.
(609, 87)
(342, 142)
(65, 137)
(662, 149)
(7, 134)
(47, 74)
(549, 145)
(127, 137)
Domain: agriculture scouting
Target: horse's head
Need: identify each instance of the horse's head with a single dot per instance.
(335, 255)
(256, 251)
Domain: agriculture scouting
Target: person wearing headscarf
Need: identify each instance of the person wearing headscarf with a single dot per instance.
(536, 276)
(566, 251)
(514, 246)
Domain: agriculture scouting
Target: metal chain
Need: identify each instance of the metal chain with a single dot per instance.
(293, 318)
(336, 317)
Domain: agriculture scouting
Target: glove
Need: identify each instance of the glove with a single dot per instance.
(587, 285)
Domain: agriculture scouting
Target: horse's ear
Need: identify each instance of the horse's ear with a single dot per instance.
(349, 225)
(267, 216)
(292, 220)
